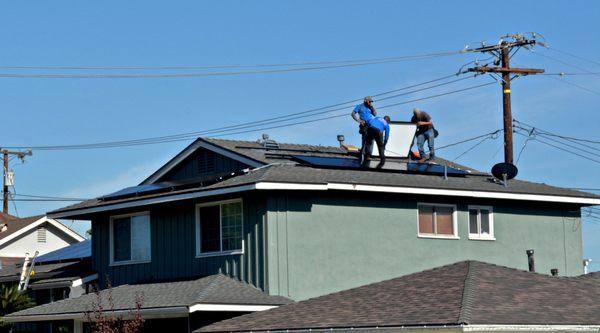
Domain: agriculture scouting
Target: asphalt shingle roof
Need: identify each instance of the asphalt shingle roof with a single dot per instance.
(283, 170)
(14, 224)
(213, 289)
(467, 292)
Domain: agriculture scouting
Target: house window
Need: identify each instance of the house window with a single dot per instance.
(41, 235)
(219, 228)
(437, 220)
(130, 238)
(481, 222)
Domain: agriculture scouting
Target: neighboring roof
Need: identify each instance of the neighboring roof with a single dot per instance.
(214, 289)
(6, 217)
(72, 252)
(276, 167)
(465, 293)
(70, 270)
(19, 226)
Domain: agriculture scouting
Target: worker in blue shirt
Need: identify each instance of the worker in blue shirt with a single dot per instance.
(378, 130)
(363, 114)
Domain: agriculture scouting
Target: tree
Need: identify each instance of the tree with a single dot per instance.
(103, 321)
(11, 300)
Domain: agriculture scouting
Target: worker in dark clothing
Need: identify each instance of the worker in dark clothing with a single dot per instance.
(363, 114)
(378, 130)
(425, 131)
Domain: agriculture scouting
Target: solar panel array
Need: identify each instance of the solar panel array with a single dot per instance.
(75, 251)
(391, 165)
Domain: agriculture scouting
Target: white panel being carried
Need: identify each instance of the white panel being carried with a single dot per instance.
(402, 134)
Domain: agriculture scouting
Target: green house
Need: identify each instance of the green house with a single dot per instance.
(260, 212)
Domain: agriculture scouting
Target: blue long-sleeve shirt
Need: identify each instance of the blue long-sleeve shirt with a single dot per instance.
(381, 125)
(364, 113)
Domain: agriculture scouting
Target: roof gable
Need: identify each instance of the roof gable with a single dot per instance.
(20, 226)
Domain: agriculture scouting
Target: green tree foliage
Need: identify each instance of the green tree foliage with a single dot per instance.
(12, 300)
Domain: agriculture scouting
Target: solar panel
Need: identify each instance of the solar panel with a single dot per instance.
(333, 162)
(402, 135)
(75, 251)
(427, 168)
(135, 190)
(390, 165)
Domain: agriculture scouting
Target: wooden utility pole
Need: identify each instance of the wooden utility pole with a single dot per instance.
(5, 155)
(502, 52)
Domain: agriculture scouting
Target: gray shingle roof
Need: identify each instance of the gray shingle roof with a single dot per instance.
(290, 172)
(214, 289)
(467, 292)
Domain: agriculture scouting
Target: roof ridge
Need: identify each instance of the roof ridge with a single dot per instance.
(211, 285)
(281, 143)
(466, 305)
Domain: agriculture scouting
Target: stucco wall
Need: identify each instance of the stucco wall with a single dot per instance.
(321, 244)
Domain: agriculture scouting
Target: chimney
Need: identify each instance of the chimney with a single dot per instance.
(341, 139)
(554, 271)
(530, 260)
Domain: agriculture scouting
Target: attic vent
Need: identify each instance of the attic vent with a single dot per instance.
(207, 162)
(268, 143)
(41, 235)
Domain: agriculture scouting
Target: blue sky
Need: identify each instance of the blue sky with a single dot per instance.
(199, 33)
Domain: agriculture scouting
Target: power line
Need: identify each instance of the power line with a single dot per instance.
(574, 55)
(48, 197)
(557, 135)
(575, 85)
(228, 129)
(560, 148)
(294, 64)
(469, 139)
(564, 63)
(232, 73)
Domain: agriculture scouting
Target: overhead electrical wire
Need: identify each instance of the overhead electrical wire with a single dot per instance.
(573, 55)
(234, 129)
(468, 140)
(49, 197)
(293, 64)
(570, 138)
(307, 66)
(558, 147)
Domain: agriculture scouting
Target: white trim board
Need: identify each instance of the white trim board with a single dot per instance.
(37, 223)
(230, 307)
(199, 143)
(333, 186)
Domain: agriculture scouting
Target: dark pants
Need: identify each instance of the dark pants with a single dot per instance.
(367, 149)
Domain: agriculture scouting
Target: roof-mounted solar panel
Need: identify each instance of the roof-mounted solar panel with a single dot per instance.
(135, 190)
(390, 165)
(402, 135)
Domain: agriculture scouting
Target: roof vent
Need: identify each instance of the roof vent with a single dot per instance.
(269, 144)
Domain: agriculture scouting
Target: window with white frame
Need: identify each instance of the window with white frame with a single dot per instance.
(481, 222)
(437, 220)
(130, 238)
(219, 228)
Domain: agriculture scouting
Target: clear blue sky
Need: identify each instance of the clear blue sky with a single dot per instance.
(197, 33)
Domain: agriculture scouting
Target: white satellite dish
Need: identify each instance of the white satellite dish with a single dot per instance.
(402, 135)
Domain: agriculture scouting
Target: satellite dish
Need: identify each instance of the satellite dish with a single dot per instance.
(504, 171)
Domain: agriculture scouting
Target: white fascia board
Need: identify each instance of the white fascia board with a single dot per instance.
(156, 200)
(531, 328)
(464, 193)
(79, 282)
(200, 143)
(65, 229)
(36, 224)
(230, 307)
(152, 313)
(339, 187)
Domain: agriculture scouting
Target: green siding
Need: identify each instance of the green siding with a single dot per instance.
(173, 247)
(321, 244)
(190, 166)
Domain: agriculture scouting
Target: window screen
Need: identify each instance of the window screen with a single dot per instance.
(480, 222)
(122, 239)
(210, 230)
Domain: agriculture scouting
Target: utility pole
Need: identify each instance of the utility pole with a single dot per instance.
(502, 52)
(5, 154)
